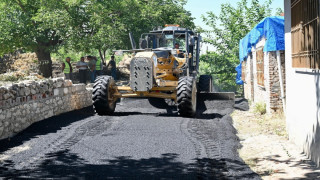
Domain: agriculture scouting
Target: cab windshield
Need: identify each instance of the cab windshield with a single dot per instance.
(167, 41)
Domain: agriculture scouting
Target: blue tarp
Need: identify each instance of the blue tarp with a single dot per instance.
(270, 28)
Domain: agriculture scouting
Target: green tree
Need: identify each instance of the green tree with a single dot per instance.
(110, 24)
(42, 26)
(39, 26)
(226, 30)
(279, 12)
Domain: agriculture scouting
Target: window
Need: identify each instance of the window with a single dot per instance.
(166, 40)
(305, 33)
(260, 67)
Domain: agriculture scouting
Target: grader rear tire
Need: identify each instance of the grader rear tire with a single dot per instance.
(205, 83)
(187, 96)
(103, 103)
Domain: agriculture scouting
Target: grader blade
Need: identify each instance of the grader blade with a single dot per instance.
(210, 100)
(216, 95)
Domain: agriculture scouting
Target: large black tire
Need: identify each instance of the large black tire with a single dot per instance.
(205, 83)
(103, 103)
(187, 96)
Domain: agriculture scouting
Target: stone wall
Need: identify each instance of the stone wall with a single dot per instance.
(274, 80)
(27, 102)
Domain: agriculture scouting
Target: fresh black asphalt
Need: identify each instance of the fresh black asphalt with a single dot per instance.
(138, 142)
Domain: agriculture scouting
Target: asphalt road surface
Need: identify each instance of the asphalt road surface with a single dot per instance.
(137, 142)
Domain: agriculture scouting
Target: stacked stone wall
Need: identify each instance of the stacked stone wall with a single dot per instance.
(274, 80)
(25, 103)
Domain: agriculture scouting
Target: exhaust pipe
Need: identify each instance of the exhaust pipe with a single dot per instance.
(133, 43)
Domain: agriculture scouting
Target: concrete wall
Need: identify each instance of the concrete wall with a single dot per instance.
(248, 79)
(303, 100)
(25, 103)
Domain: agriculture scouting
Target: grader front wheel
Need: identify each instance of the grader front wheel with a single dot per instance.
(187, 96)
(102, 95)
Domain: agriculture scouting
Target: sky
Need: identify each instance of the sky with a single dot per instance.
(199, 7)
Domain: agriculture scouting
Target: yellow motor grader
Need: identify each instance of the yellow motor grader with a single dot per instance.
(165, 66)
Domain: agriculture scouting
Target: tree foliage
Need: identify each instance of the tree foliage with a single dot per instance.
(42, 26)
(226, 30)
(279, 12)
(110, 24)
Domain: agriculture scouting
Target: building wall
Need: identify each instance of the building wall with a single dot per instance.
(302, 99)
(270, 93)
(247, 85)
(261, 94)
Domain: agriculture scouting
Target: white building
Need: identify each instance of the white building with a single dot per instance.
(302, 42)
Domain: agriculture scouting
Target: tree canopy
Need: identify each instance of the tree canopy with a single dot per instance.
(42, 26)
(226, 30)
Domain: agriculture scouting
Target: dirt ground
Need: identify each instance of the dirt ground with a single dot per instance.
(266, 148)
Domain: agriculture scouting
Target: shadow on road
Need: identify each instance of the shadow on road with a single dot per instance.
(303, 164)
(50, 125)
(204, 107)
(67, 165)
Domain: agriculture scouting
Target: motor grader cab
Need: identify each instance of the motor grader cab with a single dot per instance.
(158, 70)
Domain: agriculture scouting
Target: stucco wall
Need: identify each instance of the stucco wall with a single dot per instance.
(248, 79)
(303, 100)
(261, 94)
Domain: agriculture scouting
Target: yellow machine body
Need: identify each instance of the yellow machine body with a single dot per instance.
(166, 75)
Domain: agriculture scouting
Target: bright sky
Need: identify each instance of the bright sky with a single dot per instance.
(199, 7)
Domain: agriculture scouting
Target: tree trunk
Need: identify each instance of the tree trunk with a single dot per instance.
(45, 63)
(102, 54)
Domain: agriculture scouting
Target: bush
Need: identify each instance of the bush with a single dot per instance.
(260, 108)
(14, 76)
(222, 71)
